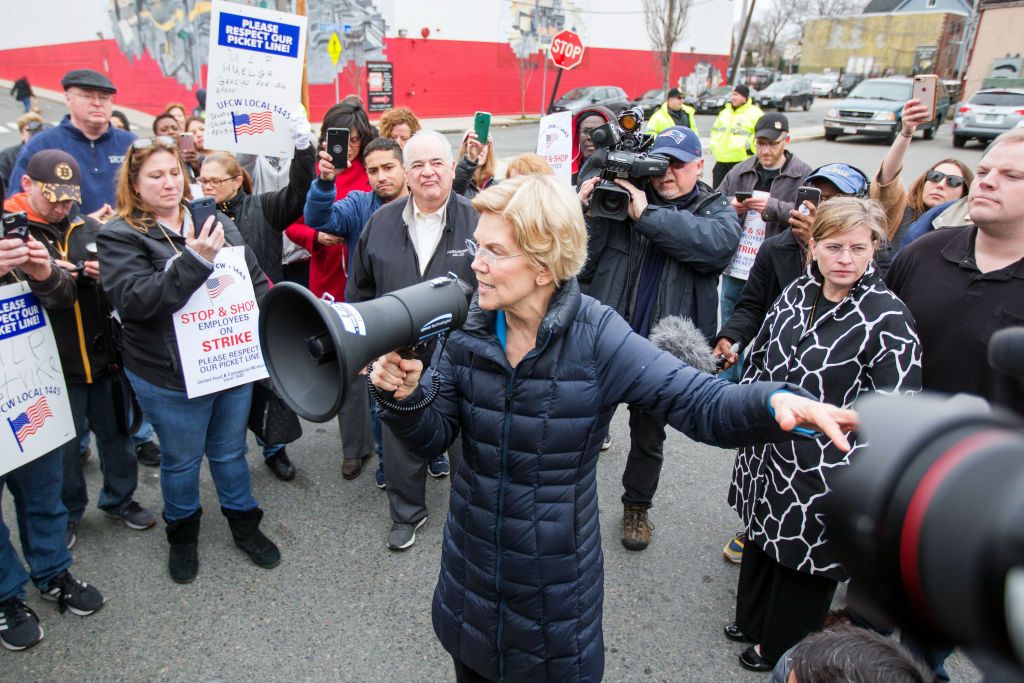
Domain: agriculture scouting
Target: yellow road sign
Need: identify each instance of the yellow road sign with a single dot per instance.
(334, 48)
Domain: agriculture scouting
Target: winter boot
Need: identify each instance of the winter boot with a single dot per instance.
(245, 528)
(183, 535)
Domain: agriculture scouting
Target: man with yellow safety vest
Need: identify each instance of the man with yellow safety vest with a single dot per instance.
(673, 112)
(50, 198)
(732, 134)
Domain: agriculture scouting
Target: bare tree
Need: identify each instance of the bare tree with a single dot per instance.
(665, 20)
(525, 67)
(833, 8)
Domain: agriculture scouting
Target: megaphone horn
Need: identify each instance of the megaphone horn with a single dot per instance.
(313, 347)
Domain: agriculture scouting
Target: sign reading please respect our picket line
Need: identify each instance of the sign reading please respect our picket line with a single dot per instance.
(35, 415)
(218, 329)
(254, 79)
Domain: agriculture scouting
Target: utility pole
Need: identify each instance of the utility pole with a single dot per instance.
(966, 42)
(737, 60)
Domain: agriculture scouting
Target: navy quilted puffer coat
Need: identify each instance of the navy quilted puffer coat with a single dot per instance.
(521, 585)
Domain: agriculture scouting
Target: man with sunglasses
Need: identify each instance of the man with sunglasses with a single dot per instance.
(663, 260)
(86, 134)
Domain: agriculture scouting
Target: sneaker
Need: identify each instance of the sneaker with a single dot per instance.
(19, 625)
(134, 516)
(379, 476)
(72, 535)
(607, 443)
(148, 454)
(402, 536)
(71, 594)
(438, 466)
(733, 550)
(636, 527)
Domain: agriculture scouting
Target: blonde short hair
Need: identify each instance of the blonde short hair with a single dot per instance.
(528, 163)
(546, 219)
(840, 215)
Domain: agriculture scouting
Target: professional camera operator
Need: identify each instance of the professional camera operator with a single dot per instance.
(664, 259)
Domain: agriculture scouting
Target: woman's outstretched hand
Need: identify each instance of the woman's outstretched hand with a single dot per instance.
(792, 411)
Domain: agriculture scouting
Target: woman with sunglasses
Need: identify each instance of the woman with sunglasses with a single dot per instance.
(945, 181)
(838, 333)
(153, 258)
(261, 219)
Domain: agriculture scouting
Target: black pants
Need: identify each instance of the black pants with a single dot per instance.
(777, 606)
(721, 170)
(463, 674)
(646, 454)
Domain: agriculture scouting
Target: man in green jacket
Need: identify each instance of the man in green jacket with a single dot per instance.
(672, 113)
(732, 134)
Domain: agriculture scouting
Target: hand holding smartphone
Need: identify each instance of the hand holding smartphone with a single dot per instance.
(926, 92)
(482, 126)
(806, 193)
(201, 209)
(337, 147)
(744, 196)
(186, 143)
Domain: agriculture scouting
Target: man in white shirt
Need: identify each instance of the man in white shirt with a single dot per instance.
(405, 242)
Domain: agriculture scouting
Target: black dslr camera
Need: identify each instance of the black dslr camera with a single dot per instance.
(927, 519)
(620, 154)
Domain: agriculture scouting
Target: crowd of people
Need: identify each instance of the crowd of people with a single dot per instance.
(814, 286)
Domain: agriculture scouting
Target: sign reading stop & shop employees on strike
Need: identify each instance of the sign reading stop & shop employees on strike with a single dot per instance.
(554, 143)
(218, 329)
(35, 415)
(254, 79)
(566, 50)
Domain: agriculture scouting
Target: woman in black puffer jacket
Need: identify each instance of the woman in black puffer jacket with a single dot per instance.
(531, 380)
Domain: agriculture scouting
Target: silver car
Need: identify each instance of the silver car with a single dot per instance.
(987, 114)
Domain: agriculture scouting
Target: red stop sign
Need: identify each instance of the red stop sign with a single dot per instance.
(566, 50)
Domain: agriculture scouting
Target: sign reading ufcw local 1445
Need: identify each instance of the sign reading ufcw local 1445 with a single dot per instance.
(254, 79)
(35, 415)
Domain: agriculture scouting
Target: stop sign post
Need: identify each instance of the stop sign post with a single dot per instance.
(566, 53)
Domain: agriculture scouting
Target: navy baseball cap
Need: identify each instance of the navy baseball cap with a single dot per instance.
(678, 142)
(847, 178)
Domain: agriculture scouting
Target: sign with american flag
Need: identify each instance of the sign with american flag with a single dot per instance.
(216, 285)
(252, 124)
(218, 329)
(35, 415)
(254, 77)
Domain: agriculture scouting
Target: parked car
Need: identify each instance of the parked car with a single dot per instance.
(825, 85)
(712, 101)
(757, 78)
(847, 83)
(987, 114)
(786, 95)
(576, 99)
(649, 101)
(874, 108)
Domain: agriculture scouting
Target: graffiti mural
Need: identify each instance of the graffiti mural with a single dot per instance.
(360, 26)
(704, 77)
(174, 33)
(531, 24)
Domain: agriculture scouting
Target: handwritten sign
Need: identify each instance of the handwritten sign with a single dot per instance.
(254, 79)
(750, 242)
(554, 143)
(218, 329)
(35, 415)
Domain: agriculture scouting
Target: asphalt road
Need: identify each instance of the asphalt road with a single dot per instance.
(341, 607)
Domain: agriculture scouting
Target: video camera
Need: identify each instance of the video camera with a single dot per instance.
(928, 518)
(620, 146)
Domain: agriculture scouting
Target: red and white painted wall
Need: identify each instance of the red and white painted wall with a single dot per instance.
(450, 57)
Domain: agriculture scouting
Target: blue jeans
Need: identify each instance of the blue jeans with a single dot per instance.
(145, 431)
(214, 424)
(91, 404)
(42, 521)
(731, 288)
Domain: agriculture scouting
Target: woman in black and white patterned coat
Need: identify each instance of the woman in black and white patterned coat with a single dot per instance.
(837, 332)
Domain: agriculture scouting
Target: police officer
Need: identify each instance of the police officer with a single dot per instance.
(732, 134)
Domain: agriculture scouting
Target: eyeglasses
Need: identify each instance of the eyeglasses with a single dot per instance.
(954, 181)
(856, 251)
(676, 164)
(158, 141)
(486, 254)
(102, 97)
(213, 182)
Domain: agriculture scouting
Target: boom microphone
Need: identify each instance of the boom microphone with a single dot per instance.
(313, 347)
(680, 337)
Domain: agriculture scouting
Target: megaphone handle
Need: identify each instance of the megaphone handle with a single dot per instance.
(386, 398)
